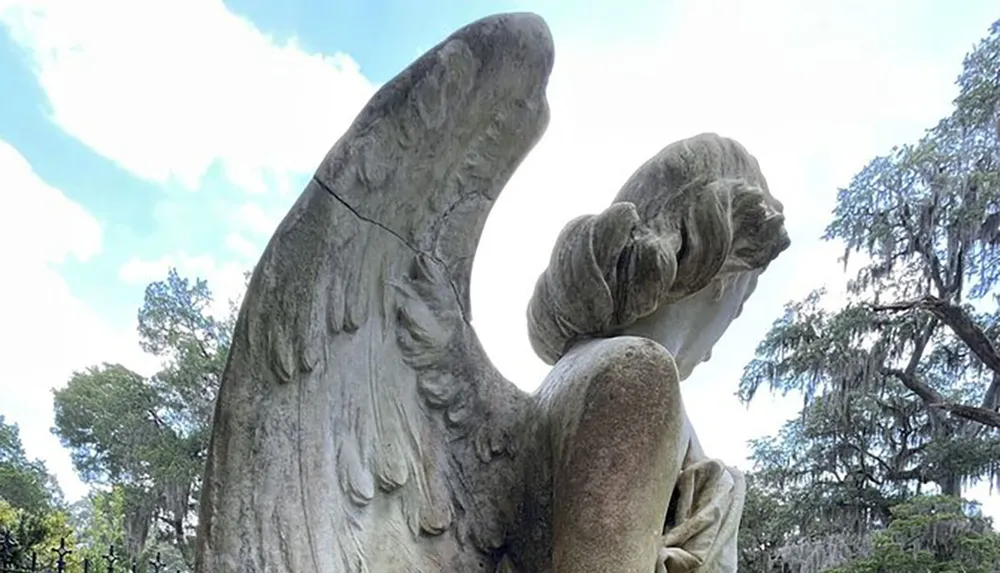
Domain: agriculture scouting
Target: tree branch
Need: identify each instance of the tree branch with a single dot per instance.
(976, 414)
(922, 247)
(908, 376)
(974, 337)
(900, 306)
(991, 400)
(990, 403)
(933, 399)
(928, 395)
(155, 418)
(865, 453)
(908, 475)
(958, 320)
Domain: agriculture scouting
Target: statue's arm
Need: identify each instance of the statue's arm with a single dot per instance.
(623, 447)
(619, 441)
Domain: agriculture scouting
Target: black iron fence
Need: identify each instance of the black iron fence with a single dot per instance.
(13, 559)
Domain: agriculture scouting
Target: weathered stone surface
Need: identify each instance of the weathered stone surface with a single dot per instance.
(361, 427)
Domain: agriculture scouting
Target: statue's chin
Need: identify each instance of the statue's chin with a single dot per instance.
(685, 366)
(684, 369)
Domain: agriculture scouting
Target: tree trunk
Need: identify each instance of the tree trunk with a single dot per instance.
(951, 485)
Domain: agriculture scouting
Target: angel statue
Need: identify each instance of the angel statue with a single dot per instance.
(360, 426)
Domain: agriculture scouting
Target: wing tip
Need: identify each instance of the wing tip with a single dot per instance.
(502, 44)
(524, 35)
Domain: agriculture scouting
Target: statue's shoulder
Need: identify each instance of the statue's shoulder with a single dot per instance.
(629, 363)
(624, 390)
(622, 355)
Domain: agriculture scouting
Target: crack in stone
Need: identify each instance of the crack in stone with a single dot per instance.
(415, 250)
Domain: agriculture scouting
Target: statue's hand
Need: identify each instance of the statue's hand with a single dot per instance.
(705, 522)
(676, 560)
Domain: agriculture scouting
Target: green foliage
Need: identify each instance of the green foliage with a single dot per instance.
(99, 523)
(108, 416)
(934, 535)
(89, 529)
(24, 484)
(147, 437)
(37, 534)
(767, 524)
(819, 498)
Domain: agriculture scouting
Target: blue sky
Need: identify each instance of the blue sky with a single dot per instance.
(137, 136)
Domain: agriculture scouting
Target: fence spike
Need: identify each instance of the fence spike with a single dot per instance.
(7, 546)
(110, 559)
(15, 559)
(157, 565)
(61, 552)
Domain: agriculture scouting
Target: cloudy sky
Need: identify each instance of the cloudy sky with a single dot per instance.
(139, 135)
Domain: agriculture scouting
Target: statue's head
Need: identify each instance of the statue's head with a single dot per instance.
(696, 219)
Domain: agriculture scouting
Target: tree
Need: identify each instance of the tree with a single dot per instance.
(933, 534)
(902, 383)
(32, 509)
(99, 523)
(24, 484)
(922, 316)
(829, 480)
(35, 535)
(147, 437)
(766, 525)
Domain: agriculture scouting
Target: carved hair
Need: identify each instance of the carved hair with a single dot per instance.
(695, 213)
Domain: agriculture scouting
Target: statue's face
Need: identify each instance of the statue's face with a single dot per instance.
(690, 327)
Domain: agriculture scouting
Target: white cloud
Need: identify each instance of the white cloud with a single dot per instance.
(38, 219)
(183, 85)
(47, 332)
(252, 217)
(242, 246)
(138, 271)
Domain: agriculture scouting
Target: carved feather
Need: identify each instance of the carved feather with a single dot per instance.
(358, 405)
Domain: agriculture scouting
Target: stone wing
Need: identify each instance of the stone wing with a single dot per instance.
(356, 390)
